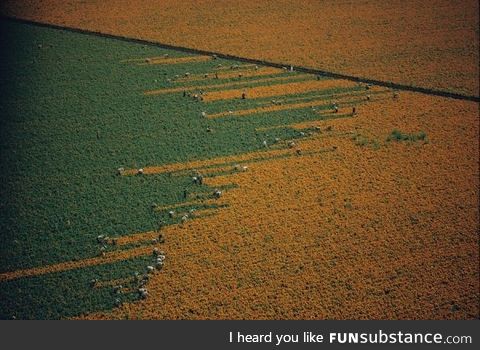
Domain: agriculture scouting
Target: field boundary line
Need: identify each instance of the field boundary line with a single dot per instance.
(320, 72)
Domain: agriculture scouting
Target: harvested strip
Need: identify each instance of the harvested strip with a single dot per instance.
(185, 204)
(206, 212)
(242, 66)
(208, 172)
(328, 93)
(143, 60)
(113, 283)
(299, 126)
(209, 162)
(296, 126)
(130, 289)
(233, 74)
(331, 93)
(177, 60)
(250, 73)
(205, 171)
(72, 265)
(212, 204)
(234, 83)
(278, 90)
(271, 108)
(328, 112)
(137, 237)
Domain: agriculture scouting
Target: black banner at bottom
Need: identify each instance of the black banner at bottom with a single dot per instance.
(240, 334)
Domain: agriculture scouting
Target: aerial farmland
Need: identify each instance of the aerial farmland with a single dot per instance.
(213, 173)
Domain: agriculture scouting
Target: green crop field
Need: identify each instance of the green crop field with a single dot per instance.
(73, 111)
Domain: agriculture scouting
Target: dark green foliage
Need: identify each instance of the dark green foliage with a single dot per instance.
(397, 135)
(67, 294)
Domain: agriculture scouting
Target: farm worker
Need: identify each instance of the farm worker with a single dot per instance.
(354, 111)
(161, 238)
(185, 193)
(216, 75)
(335, 107)
(200, 179)
(244, 95)
(184, 93)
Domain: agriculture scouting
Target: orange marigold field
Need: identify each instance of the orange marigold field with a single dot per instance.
(375, 230)
(344, 224)
(430, 43)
